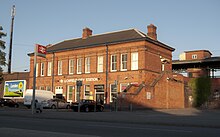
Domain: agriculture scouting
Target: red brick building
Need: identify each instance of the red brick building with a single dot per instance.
(110, 63)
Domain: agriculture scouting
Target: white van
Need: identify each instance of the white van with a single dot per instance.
(40, 95)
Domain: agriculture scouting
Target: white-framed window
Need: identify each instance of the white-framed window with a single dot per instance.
(42, 69)
(124, 59)
(113, 95)
(49, 68)
(79, 66)
(59, 90)
(70, 93)
(100, 64)
(59, 67)
(123, 86)
(163, 67)
(36, 69)
(113, 63)
(41, 88)
(87, 91)
(71, 66)
(134, 61)
(194, 56)
(48, 88)
(87, 65)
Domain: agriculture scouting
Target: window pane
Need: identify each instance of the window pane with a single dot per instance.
(114, 63)
(79, 66)
(59, 67)
(49, 68)
(134, 61)
(100, 63)
(71, 66)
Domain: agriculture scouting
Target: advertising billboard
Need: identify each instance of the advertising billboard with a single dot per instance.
(14, 88)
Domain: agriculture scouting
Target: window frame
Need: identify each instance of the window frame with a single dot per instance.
(134, 61)
(194, 56)
(114, 63)
(36, 69)
(71, 66)
(49, 68)
(42, 69)
(59, 67)
(86, 92)
(100, 63)
(79, 66)
(87, 65)
(124, 61)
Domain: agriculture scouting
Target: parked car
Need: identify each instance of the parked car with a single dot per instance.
(56, 103)
(87, 105)
(8, 102)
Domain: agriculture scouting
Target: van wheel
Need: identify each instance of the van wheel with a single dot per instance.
(16, 105)
(101, 109)
(53, 107)
(68, 107)
(87, 109)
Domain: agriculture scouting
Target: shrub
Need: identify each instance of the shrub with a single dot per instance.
(201, 88)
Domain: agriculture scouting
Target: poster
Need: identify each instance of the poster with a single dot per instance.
(14, 88)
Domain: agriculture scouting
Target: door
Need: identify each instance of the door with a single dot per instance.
(100, 98)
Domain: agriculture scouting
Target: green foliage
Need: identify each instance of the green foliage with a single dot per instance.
(201, 88)
(2, 53)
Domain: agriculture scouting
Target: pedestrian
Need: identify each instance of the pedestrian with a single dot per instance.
(38, 107)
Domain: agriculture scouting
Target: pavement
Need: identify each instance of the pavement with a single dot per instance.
(209, 118)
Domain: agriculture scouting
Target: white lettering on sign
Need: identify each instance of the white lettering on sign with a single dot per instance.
(80, 79)
(91, 79)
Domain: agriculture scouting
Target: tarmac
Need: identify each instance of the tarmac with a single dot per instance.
(190, 117)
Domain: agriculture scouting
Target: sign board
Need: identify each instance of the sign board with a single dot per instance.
(99, 87)
(14, 88)
(41, 50)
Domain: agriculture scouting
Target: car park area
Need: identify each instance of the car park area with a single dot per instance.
(56, 103)
(87, 106)
(8, 102)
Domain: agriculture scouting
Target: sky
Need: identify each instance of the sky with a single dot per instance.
(182, 24)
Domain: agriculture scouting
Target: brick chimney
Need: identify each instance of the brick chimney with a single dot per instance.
(86, 33)
(152, 31)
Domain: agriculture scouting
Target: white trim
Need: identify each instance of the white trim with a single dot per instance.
(115, 62)
(99, 69)
(59, 67)
(71, 66)
(37, 69)
(87, 65)
(194, 56)
(77, 69)
(140, 33)
(123, 85)
(42, 69)
(49, 68)
(134, 66)
(126, 62)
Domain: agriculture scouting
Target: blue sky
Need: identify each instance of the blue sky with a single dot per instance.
(182, 24)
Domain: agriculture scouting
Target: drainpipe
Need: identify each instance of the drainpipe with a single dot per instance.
(106, 82)
(53, 72)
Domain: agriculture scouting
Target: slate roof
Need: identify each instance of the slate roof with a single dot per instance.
(123, 36)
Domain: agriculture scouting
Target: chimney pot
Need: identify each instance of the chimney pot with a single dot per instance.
(86, 33)
(152, 31)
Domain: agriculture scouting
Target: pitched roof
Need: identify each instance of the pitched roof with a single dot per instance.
(103, 39)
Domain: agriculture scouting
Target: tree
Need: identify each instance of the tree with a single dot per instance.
(201, 88)
(2, 53)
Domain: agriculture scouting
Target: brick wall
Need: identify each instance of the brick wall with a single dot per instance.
(149, 64)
